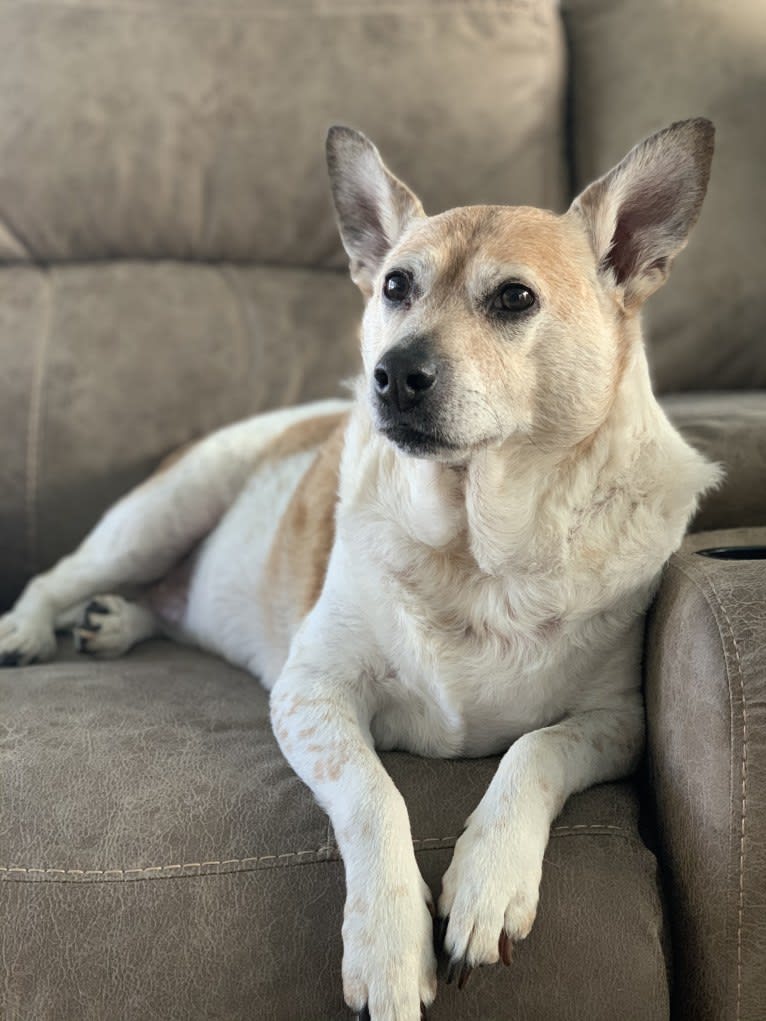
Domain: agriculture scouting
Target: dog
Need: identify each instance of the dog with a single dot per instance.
(454, 563)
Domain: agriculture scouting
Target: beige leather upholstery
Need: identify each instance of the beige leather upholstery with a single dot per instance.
(706, 707)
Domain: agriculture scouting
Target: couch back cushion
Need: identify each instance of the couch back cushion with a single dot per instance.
(636, 66)
(168, 256)
(162, 128)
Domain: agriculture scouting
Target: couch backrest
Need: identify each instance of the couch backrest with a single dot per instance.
(189, 130)
(168, 255)
(636, 66)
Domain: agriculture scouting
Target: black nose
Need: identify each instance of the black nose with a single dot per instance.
(405, 375)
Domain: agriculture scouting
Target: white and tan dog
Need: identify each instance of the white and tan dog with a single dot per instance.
(456, 563)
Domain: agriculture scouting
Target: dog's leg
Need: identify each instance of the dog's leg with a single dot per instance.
(490, 890)
(148, 531)
(321, 707)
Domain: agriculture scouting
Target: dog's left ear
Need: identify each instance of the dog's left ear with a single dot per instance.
(373, 207)
(639, 215)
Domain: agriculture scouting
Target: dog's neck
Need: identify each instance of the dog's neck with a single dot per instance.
(516, 506)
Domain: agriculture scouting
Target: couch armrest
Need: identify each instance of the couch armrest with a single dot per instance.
(706, 710)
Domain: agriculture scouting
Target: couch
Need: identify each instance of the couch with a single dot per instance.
(169, 263)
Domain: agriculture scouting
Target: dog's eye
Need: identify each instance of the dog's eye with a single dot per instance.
(513, 298)
(397, 286)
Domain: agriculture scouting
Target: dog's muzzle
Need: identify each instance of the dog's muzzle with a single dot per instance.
(406, 389)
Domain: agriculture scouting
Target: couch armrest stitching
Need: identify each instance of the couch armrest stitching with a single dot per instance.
(723, 613)
(743, 809)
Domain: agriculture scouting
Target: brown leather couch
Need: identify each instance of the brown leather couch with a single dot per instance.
(168, 263)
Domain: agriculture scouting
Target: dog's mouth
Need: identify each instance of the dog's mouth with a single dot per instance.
(417, 442)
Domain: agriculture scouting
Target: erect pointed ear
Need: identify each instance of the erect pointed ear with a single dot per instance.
(373, 207)
(639, 215)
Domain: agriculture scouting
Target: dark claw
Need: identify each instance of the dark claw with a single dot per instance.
(440, 933)
(459, 969)
(364, 1014)
(94, 606)
(10, 659)
(465, 974)
(423, 1012)
(505, 947)
(452, 970)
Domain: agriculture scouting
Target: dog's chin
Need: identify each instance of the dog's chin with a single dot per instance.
(427, 445)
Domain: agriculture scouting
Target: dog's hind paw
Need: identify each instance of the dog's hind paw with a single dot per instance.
(110, 625)
(23, 641)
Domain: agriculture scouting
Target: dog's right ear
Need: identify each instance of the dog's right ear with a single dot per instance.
(373, 207)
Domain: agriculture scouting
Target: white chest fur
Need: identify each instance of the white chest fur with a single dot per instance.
(502, 595)
(466, 662)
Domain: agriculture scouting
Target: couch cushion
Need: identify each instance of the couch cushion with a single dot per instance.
(729, 428)
(636, 66)
(158, 858)
(190, 130)
(107, 367)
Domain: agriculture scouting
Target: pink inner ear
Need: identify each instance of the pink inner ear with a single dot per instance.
(648, 219)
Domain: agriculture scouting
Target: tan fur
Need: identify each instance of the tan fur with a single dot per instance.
(169, 597)
(551, 246)
(295, 570)
(304, 435)
(296, 439)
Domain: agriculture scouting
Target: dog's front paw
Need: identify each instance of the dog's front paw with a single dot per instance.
(389, 966)
(489, 896)
(23, 640)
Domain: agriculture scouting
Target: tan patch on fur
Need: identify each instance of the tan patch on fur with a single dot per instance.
(330, 768)
(295, 570)
(295, 439)
(302, 436)
(553, 248)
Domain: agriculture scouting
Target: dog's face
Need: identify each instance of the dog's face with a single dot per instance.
(488, 322)
(482, 323)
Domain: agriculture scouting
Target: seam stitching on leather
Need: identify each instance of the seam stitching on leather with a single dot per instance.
(326, 849)
(741, 896)
(743, 820)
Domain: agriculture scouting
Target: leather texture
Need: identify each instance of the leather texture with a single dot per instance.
(110, 366)
(159, 859)
(706, 709)
(636, 66)
(168, 129)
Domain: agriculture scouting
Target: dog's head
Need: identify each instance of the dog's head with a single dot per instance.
(486, 322)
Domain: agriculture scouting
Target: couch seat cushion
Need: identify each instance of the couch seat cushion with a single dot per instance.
(159, 858)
